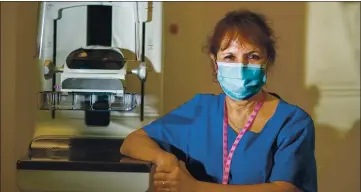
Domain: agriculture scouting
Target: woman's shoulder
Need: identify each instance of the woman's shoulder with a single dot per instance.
(207, 98)
(293, 118)
(197, 105)
(288, 109)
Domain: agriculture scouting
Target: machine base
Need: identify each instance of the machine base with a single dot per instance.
(81, 164)
(82, 181)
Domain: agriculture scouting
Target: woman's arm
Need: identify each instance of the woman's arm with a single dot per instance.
(156, 140)
(278, 186)
(138, 145)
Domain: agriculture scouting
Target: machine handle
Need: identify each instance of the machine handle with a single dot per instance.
(50, 69)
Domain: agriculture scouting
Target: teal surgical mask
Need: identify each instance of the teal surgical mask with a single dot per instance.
(240, 81)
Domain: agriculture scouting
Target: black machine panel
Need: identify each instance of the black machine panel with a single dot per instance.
(95, 59)
(99, 32)
(85, 83)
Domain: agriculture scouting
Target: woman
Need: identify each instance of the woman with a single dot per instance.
(244, 140)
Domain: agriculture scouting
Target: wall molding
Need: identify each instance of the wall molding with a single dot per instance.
(340, 92)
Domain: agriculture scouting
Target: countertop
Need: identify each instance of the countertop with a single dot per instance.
(80, 154)
(123, 165)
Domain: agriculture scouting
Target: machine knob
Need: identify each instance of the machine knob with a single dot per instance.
(141, 71)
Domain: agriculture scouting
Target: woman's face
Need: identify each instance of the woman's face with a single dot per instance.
(241, 52)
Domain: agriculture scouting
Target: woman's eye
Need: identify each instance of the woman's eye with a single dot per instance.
(229, 57)
(254, 57)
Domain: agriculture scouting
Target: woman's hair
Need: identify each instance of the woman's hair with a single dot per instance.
(246, 25)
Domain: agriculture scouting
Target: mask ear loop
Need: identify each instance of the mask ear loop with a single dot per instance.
(215, 70)
(266, 73)
(265, 66)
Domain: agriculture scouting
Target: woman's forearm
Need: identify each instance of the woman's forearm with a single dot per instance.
(138, 145)
(267, 187)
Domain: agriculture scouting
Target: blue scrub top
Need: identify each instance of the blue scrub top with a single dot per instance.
(282, 151)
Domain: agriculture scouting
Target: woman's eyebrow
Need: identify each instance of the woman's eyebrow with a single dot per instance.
(246, 53)
(250, 52)
(228, 53)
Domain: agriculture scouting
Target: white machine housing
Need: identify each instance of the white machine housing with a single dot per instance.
(71, 35)
(128, 19)
(96, 74)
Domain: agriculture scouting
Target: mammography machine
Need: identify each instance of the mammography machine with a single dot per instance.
(87, 52)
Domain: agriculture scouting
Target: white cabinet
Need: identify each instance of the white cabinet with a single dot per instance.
(333, 61)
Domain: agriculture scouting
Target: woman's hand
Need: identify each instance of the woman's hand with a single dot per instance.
(179, 180)
(166, 162)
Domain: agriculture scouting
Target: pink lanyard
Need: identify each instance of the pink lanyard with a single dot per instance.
(227, 158)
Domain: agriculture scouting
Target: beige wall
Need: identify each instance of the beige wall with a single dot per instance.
(187, 71)
(18, 37)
